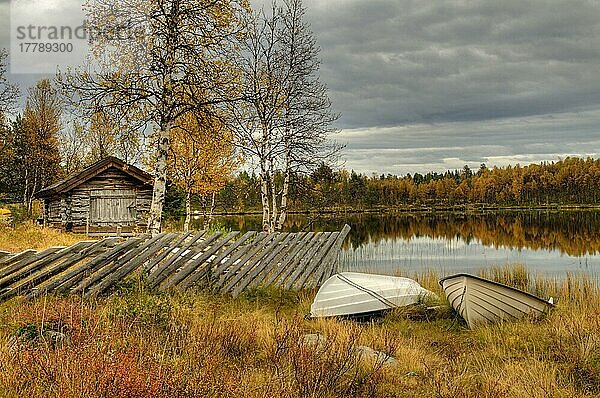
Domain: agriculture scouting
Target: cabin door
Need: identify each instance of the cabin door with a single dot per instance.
(112, 208)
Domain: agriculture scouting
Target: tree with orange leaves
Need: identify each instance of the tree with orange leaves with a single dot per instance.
(202, 159)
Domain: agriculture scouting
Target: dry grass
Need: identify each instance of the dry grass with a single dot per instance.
(139, 343)
(33, 236)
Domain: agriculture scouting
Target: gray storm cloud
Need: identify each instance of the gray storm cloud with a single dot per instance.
(398, 62)
(435, 85)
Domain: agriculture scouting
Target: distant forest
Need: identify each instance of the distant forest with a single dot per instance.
(569, 181)
(571, 232)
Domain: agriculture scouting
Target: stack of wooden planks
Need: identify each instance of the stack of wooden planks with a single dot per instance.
(228, 263)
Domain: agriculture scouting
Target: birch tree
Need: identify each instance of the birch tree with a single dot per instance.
(307, 110)
(90, 137)
(257, 117)
(286, 120)
(72, 147)
(151, 57)
(108, 135)
(202, 160)
(36, 136)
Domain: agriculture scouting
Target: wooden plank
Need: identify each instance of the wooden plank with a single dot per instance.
(293, 265)
(96, 263)
(316, 260)
(322, 267)
(217, 265)
(167, 250)
(122, 268)
(253, 268)
(25, 271)
(193, 268)
(9, 269)
(134, 263)
(17, 257)
(109, 267)
(161, 270)
(197, 260)
(309, 254)
(192, 250)
(70, 274)
(247, 261)
(266, 265)
(300, 245)
(288, 265)
(136, 251)
(58, 280)
(48, 272)
(222, 270)
(54, 276)
(76, 274)
(330, 260)
(290, 242)
(4, 255)
(33, 279)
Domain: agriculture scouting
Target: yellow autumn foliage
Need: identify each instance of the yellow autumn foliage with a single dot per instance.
(202, 154)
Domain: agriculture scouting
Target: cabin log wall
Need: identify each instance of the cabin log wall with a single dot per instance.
(71, 210)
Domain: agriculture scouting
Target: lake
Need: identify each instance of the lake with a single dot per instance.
(553, 243)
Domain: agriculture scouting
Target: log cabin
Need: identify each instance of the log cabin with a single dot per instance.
(108, 197)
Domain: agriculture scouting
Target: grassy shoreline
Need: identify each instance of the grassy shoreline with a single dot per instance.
(33, 236)
(139, 343)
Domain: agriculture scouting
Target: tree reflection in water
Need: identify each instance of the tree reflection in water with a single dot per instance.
(572, 232)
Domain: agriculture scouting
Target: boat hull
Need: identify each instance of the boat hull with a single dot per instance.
(357, 294)
(479, 300)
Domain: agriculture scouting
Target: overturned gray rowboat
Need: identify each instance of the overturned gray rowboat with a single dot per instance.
(479, 300)
(358, 294)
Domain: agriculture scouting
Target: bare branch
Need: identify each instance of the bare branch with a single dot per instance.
(9, 93)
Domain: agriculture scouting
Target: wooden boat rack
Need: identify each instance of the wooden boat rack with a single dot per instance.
(226, 263)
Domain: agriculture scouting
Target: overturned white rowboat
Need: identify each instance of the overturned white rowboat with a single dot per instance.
(358, 294)
(479, 300)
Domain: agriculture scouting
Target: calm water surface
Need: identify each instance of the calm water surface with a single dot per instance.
(550, 242)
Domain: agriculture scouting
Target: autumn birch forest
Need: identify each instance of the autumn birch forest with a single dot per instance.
(224, 105)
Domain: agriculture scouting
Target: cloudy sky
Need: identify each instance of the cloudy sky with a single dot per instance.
(434, 85)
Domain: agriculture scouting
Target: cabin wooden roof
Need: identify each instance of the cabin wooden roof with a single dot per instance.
(92, 171)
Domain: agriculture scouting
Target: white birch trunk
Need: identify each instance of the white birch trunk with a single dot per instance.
(203, 203)
(31, 193)
(209, 217)
(264, 179)
(274, 210)
(25, 186)
(160, 180)
(264, 194)
(188, 211)
(284, 199)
